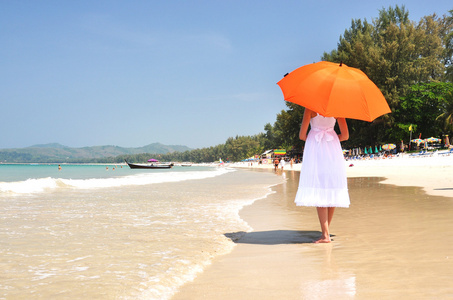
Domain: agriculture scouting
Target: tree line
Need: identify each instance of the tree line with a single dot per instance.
(234, 149)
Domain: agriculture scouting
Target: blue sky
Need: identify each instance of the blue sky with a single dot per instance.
(131, 73)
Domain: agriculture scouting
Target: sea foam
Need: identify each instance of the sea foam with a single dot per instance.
(29, 186)
(32, 186)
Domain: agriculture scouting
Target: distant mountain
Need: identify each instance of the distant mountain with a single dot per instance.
(59, 153)
(52, 145)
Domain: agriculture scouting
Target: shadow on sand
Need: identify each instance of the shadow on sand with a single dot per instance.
(274, 237)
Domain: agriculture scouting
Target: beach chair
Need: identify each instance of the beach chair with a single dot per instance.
(417, 154)
(427, 153)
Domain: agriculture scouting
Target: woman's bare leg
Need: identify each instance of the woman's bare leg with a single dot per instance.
(324, 220)
(330, 212)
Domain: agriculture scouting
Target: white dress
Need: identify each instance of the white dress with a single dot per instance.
(323, 181)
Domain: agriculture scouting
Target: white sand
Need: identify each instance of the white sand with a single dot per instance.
(392, 243)
(433, 173)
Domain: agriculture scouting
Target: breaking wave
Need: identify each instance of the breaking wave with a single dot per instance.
(41, 185)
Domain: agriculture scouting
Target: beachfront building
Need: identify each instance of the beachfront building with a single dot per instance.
(268, 156)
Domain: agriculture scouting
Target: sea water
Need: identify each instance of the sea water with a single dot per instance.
(96, 233)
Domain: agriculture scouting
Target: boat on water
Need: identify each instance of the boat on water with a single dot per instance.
(149, 166)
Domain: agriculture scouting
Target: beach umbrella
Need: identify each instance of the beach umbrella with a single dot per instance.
(279, 151)
(371, 150)
(334, 90)
(418, 141)
(153, 160)
(388, 147)
(380, 148)
(432, 140)
(375, 149)
(366, 152)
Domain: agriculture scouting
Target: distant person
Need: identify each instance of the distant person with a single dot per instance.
(276, 162)
(59, 168)
(323, 182)
(282, 163)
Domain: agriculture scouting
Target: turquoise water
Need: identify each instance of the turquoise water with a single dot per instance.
(21, 172)
(89, 233)
(25, 179)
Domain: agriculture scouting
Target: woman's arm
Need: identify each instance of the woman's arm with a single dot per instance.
(305, 122)
(344, 131)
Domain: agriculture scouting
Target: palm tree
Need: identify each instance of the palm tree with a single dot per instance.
(447, 114)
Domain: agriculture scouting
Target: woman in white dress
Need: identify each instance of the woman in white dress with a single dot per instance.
(323, 182)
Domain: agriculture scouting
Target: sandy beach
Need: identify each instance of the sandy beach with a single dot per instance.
(392, 243)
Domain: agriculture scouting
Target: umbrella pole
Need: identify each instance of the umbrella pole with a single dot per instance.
(410, 139)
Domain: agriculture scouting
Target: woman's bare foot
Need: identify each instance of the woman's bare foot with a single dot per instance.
(322, 241)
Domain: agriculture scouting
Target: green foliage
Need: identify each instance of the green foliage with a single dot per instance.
(424, 107)
(55, 153)
(234, 149)
(446, 111)
(448, 41)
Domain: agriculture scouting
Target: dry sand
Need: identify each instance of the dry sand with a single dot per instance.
(394, 242)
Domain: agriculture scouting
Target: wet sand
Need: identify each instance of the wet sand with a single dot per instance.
(394, 242)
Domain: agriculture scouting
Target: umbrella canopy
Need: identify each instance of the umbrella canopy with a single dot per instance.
(153, 160)
(279, 152)
(334, 90)
(418, 141)
(432, 140)
(388, 146)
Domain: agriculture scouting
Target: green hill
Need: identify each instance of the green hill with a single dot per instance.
(57, 153)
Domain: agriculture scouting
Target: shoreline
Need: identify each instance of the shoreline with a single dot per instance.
(433, 173)
(277, 259)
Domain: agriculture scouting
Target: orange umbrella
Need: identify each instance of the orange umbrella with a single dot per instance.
(334, 90)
